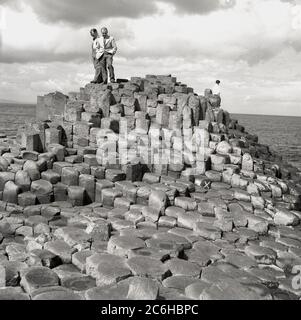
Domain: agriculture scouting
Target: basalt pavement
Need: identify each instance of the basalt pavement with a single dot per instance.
(143, 189)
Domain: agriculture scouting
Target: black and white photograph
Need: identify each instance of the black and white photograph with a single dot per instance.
(150, 150)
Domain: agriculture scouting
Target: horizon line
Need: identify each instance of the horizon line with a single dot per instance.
(234, 113)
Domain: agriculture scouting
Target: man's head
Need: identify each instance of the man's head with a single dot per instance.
(104, 32)
(94, 33)
(218, 82)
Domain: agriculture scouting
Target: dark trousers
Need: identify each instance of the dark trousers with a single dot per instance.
(219, 100)
(99, 70)
(107, 62)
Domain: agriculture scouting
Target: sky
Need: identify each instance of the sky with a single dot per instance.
(252, 46)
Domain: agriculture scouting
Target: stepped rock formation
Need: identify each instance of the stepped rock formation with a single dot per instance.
(143, 189)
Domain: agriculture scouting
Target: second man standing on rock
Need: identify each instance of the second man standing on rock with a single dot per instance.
(105, 50)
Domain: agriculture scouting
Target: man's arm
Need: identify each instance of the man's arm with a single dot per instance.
(114, 46)
(93, 51)
(96, 44)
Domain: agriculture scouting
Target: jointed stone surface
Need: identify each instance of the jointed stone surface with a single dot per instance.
(56, 293)
(37, 277)
(123, 244)
(143, 289)
(148, 267)
(61, 249)
(145, 190)
(13, 293)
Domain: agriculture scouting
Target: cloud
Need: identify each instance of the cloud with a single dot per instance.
(3, 2)
(247, 31)
(200, 7)
(11, 56)
(15, 4)
(89, 12)
(39, 42)
(86, 13)
(254, 47)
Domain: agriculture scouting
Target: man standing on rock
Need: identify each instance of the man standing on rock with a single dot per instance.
(106, 49)
(98, 65)
(217, 91)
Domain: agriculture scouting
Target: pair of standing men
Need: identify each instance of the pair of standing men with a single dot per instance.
(103, 50)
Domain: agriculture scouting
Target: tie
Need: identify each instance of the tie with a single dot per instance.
(104, 43)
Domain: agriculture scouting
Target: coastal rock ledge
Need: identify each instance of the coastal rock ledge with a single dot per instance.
(142, 189)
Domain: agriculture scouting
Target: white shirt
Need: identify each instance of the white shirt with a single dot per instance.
(216, 89)
(102, 45)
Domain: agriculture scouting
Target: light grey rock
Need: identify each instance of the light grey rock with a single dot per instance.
(148, 267)
(47, 258)
(240, 260)
(13, 293)
(27, 199)
(32, 169)
(179, 267)
(55, 293)
(178, 282)
(61, 249)
(121, 245)
(70, 176)
(76, 195)
(13, 269)
(172, 238)
(74, 237)
(5, 177)
(168, 222)
(2, 276)
(194, 290)
(224, 148)
(22, 179)
(174, 211)
(79, 283)
(33, 210)
(266, 277)
(25, 231)
(151, 214)
(43, 190)
(143, 289)
(66, 271)
(11, 191)
(36, 277)
(207, 231)
(151, 178)
(186, 203)
(51, 176)
(92, 262)
(229, 289)
(111, 270)
(109, 195)
(16, 252)
(158, 201)
(115, 175)
(115, 292)
(286, 218)
(79, 259)
(260, 254)
(99, 230)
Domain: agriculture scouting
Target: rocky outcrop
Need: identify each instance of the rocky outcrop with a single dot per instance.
(144, 189)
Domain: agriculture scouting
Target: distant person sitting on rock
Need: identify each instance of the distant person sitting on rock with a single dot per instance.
(216, 91)
(106, 49)
(98, 65)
